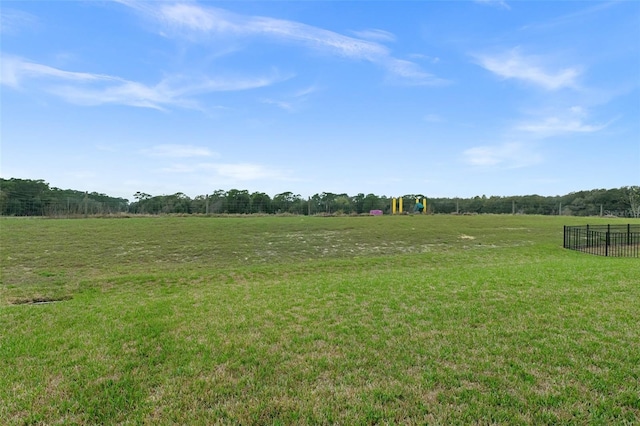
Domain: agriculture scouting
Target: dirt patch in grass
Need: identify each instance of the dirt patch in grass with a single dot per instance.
(38, 300)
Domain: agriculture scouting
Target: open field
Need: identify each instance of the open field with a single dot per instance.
(309, 320)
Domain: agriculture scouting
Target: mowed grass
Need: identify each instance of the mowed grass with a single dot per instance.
(305, 320)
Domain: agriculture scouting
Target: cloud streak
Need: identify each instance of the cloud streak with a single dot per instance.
(500, 4)
(513, 65)
(507, 155)
(15, 70)
(552, 126)
(98, 89)
(571, 120)
(198, 23)
(15, 21)
(375, 35)
(292, 103)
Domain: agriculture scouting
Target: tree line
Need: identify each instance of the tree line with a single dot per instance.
(26, 197)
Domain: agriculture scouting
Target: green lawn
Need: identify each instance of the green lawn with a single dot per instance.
(309, 320)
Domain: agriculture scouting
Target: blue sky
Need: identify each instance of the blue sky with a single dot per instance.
(446, 99)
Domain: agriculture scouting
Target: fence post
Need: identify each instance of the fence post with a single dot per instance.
(607, 241)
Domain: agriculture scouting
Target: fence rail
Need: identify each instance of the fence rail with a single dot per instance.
(604, 240)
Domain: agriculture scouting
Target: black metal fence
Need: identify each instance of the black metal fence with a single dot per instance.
(604, 240)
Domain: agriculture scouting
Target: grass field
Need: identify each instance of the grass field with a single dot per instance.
(308, 320)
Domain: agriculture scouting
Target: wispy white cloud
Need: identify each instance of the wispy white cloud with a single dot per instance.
(196, 22)
(15, 21)
(572, 120)
(592, 10)
(97, 89)
(189, 16)
(551, 126)
(506, 155)
(421, 56)
(410, 73)
(375, 35)
(306, 91)
(500, 4)
(531, 69)
(287, 106)
(292, 102)
(179, 151)
(524, 152)
(14, 70)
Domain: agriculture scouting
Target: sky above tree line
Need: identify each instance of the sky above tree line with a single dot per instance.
(447, 99)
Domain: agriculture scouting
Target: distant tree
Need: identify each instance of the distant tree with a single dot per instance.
(153, 205)
(22, 197)
(177, 203)
(315, 204)
(4, 200)
(141, 196)
(357, 203)
(633, 194)
(443, 205)
(139, 205)
(282, 202)
(25, 197)
(238, 201)
(218, 201)
(342, 204)
(260, 203)
(497, 205)
(199, 204)
(327, 199)
(615, 201)
(476, 204)
(374, 202)
(298, 205)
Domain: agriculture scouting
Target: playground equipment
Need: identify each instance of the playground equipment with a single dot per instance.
(397, 208)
